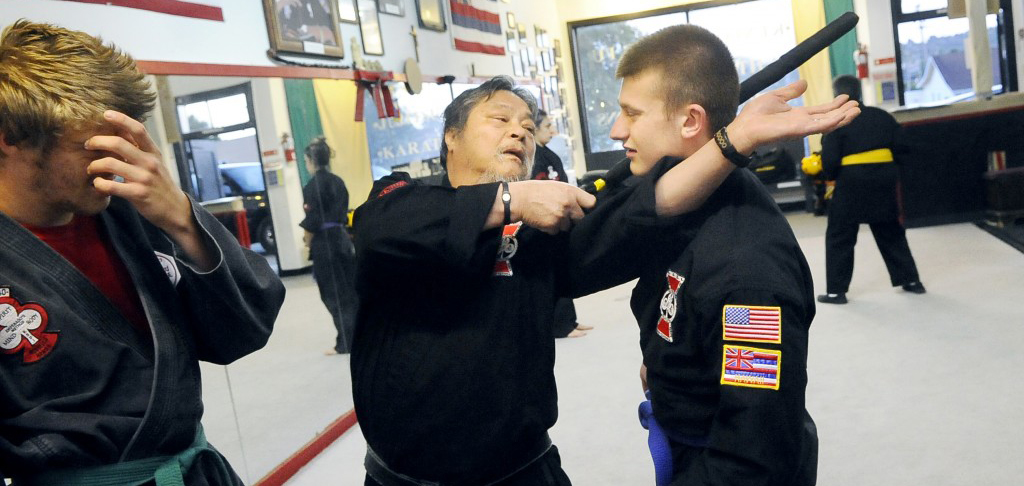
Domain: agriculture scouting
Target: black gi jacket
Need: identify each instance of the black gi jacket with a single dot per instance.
(864, 193)
(544, 161)
(736, 250)
(453, 362)
(104, 393)
(326, 198)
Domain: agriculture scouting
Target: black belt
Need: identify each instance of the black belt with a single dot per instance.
(380, 472)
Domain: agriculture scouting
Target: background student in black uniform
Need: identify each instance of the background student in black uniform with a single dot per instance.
(325, 200)
(113, 282)
(725, 300)
(547, 166)
(860, 158)
(453, 377)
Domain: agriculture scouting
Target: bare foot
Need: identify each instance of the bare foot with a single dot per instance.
(330, 352)
(576, 333)
(581, 327)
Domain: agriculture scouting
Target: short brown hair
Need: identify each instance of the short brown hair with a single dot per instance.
(695, 67)
(53, 79)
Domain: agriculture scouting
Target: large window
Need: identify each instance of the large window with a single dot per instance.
(757, 33)
(933, 53)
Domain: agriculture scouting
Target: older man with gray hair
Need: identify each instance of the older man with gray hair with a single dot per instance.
(454, 378)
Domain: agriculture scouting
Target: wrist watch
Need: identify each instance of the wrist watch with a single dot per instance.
(506, 198)
(729, 151)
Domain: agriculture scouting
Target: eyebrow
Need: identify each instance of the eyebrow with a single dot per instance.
(629, 107)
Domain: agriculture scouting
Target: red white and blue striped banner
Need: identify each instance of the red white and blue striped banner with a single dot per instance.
(476, 30)
(207, 9)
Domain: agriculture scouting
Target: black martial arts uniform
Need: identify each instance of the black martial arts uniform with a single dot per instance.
(864, 193)
(81, 387)
(453, 363)
(724, 306)
(547, 165)
(326, 204)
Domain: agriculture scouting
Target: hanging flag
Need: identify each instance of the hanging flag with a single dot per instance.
(476, 30)
(204, 9)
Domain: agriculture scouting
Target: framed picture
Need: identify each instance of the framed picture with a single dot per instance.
(557, 49)
(369, 27)
(532, 56)
(347, 11)
(392, 7)
(517, 66)
(304, 26)
(510, 18)
(545, 60)
(511, 43)
(431, 15)
(539, 36)
(524, 58)
(522, 33)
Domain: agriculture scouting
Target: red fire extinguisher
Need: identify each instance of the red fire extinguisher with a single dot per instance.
(289, 147)
(861, 59)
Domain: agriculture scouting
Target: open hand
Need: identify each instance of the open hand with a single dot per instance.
(769, 117)
(147, 184)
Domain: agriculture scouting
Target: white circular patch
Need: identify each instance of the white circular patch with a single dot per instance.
(170, 267)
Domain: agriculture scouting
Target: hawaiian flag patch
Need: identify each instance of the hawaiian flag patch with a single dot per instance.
(751, 367)
(669, 305)
(507, 250)
(752, 323)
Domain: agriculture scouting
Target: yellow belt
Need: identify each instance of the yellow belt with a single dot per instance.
(877, 156)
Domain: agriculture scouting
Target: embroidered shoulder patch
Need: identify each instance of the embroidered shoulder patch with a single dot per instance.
(751, 367)
(507, 250)
(392, 187)
(23, 329)
(752, 323)
(669, 305)
(5, 291)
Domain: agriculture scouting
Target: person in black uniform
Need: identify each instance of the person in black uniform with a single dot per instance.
(725, 301)
(325, 200)
(453, 360)
(547, 166)
(860, 158)
(114, 283)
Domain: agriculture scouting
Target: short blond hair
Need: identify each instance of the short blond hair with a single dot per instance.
(694, 66)
(53, 79)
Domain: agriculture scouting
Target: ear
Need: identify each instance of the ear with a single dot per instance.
(450, 141)
(6, 148)
(695, 123)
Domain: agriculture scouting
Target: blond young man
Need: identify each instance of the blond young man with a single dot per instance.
(725, 300)
(113, 283)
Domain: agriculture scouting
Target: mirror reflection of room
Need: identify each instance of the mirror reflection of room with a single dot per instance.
(277, 123)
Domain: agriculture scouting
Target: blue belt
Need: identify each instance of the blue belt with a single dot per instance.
(658, 442)
(327, 226)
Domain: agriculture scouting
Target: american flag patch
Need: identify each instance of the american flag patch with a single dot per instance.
(751, 367)
(752, 323)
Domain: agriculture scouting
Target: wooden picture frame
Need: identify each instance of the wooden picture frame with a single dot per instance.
(309, 28)
(392, 7)
(347, 11)
(431, 15)
(510, 19)
(369, 27)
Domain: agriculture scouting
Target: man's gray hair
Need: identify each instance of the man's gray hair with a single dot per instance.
(457, 113)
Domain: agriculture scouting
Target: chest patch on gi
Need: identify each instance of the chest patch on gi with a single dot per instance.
(669, 305)
(752, 323)
(170, 267)
(23, 330)
(507, 250)
(751, 367)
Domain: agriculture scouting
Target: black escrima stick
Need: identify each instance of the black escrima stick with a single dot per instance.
(760, 80)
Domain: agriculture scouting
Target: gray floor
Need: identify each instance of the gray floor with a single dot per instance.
(905, 389)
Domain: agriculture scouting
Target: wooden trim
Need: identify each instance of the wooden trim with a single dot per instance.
(171, 7)
(961, 116)
(284, 471)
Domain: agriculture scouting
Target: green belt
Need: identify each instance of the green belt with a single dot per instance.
(165, 470)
